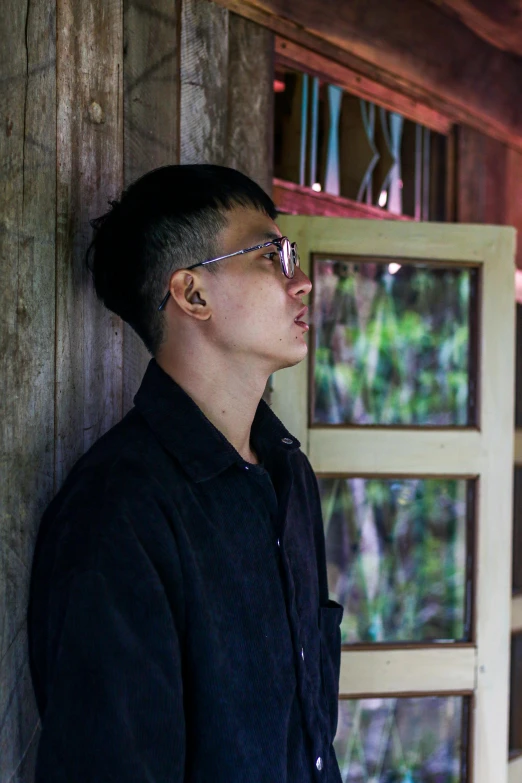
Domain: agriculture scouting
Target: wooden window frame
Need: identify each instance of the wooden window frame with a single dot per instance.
(294, 199)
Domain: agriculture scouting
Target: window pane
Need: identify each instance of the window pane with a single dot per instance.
(515, 704)
(403, 739)
(517, 531)
(392, 344)
(518, 369)
(396, 552)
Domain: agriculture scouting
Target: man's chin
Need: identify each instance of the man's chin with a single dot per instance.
(291, 361)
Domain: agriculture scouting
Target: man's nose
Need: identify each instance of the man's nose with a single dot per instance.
(300, 284)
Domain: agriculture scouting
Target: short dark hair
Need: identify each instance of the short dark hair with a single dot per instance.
(166, 220)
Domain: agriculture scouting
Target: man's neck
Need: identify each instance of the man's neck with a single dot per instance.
(228, 397)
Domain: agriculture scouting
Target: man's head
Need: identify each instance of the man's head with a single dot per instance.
(178, 216)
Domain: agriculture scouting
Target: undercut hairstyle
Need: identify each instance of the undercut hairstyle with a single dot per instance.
(168, 219)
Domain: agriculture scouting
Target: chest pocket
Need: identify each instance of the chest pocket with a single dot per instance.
(330, 617)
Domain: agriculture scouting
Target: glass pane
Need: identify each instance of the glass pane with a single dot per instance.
(392, 344)
(517, 531)
(402, 740)
(518, 369)
(515, 701)
(396, 555)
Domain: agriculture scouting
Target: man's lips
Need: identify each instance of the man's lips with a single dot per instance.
(299, 319)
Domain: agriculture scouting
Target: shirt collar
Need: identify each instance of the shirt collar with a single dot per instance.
(183, 429)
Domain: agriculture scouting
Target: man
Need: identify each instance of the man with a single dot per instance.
(180, 627)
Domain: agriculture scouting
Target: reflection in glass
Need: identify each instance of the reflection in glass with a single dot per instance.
(391, 344)
(396, 556)
(517, 531)
(515, 689)
(401, 740)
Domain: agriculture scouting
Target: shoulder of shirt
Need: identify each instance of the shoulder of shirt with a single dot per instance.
(112, 493)
(128, 450)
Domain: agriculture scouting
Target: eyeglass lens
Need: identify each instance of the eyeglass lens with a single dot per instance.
(289, 257)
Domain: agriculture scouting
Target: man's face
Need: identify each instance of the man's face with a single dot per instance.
(254, 306)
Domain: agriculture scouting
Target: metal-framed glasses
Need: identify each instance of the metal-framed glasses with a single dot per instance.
(288, 258)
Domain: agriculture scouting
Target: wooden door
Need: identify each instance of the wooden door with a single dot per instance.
(404, 407)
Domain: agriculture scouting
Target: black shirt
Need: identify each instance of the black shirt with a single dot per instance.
(179, 622)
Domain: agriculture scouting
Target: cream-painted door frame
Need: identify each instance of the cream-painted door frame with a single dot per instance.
(486, 452)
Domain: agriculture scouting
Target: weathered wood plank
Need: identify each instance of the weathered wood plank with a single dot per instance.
(27, 322)
(204, 89)
(481, 178)
(489, 182)
(399, 44)
(250, 100)
(151, 122)
(296, 199)
(513, 216)
(90, 171)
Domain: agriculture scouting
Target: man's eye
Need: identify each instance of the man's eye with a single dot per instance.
(270, 256)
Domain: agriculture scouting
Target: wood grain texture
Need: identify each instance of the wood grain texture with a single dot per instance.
(27, 257)
(203, 82)
(513, 214)
(151, 88)
(481, 178)
(296, 199)
(410, 46)
(489, 182)
(498, 22)
(250, 100)
(89, 173)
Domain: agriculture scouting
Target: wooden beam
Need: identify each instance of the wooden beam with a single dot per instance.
(151, 123)
(498, 22)
(27, 328)
(399, 44)
(294, 199)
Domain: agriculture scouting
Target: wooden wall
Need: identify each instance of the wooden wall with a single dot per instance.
(489, 182)
(91, 96)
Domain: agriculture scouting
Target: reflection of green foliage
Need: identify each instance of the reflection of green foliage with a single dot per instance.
(397, 353)
(403, 740)
(400, 550)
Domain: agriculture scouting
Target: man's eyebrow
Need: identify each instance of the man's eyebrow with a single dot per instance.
(267, 236)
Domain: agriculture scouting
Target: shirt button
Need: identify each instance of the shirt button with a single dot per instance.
(246, 467)
(278, 542)
(302, 653)
(319, 763)
(287, 440)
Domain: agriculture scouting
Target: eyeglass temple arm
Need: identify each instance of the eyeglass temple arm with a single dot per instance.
(275, 242)
(229, 255)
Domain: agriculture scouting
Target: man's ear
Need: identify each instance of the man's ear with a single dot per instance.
(187, 292)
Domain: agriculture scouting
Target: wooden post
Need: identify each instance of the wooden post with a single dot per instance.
(151, 109)
(203, 77)
(27, 307)
(250, 100)
(90, 172)
(481, 178)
